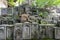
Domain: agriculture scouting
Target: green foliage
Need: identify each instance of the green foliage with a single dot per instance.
(20, 1)
(43, 14)
(12, 3)
(57, 2)
(38, 3)
(45, 3)
(44, 22)
(47, 38)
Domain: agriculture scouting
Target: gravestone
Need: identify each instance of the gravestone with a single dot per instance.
(58, 9)
(34, 30)
(49, 32)
(57, 32)
(10, 11)
(9, 32)
(2, 32)
(18, 31)
(16, 10)
(26, 30)
(7, 20)
(4, 11)
(46, 30)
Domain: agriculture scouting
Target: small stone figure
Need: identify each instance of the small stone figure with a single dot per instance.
(23, 18)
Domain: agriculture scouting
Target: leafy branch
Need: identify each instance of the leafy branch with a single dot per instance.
(45, 3)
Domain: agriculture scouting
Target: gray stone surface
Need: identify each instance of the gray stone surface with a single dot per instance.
(4, 33)
(18, 31)
(28, 30)
(57, 33)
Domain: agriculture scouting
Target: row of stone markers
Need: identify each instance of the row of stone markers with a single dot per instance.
(5, 31)
(21, 31)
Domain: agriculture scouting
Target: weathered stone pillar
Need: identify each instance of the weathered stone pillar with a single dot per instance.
(18, 31)
(26, 30)
(34, 30)
(57, 32)
(5, 32)
(2, 32)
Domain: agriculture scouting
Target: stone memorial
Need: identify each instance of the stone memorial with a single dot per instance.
(4, 11)
(9, 32)
(5, 32)
(49, 32)
(34, 30)
(57, 32)
(2, 32)
(10, 11)
(26, 30)
(18, 31)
